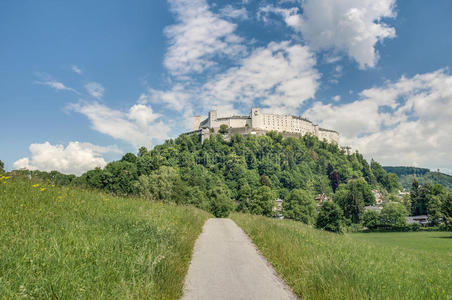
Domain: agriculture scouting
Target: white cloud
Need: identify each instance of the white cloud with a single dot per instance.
(76, 69)
(95, 89)
(234, 13)
(138, 126)
(290, 15)
(350, 26)
(337, 98)
(198, 37)
(177, 98)
(406, 122)
(280, 76)
(57, 85)
(76, 158)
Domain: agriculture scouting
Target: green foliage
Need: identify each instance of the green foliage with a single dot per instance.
(224, 129)
(393, 214)
(300, 206)
(331, 218)
(262, 201)
(352, 197)
(159, 185)
(2, 167)
(387, 180)
(221, 203)
(371, 219)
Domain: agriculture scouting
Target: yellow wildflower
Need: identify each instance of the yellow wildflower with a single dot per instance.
(35, 185)
(43, 189)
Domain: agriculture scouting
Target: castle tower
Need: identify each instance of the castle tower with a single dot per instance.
(196, 122)
(256, 118)
(212, 119)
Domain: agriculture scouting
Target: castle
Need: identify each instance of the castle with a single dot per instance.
(260, 123)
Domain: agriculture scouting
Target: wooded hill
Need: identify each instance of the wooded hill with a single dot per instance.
(423, 176)
(245, 173)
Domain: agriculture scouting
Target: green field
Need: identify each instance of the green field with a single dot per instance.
(66, 243)
(425, 243)
(323, 265)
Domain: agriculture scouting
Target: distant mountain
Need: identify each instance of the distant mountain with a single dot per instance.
(423, 175)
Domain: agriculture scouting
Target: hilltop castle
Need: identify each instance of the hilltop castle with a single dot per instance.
(258, 123)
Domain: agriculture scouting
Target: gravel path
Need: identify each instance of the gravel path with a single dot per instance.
(226, 265)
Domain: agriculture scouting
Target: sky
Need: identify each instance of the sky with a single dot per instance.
(84, 82)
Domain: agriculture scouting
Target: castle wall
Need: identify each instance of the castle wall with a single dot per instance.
(258, 121)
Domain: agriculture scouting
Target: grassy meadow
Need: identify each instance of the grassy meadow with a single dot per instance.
(323, 265)
(68, 243)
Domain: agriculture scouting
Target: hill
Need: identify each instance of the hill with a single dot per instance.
(321, 265)
(68, 243)
(246, 173)
(423, 176)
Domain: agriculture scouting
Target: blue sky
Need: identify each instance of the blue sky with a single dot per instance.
(83, 82)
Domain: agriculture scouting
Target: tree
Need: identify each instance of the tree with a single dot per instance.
(262, 201)
(434, 210)
(221, 203)
(334, 177)
(352, 197)
(393, 214)
(447, 209)
(224, 129)
(331, 218)
(300, 206)
(2, 167)
(122, 177)
(371, 219)
(159, 185)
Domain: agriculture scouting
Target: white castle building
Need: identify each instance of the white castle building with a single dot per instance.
(259, 122)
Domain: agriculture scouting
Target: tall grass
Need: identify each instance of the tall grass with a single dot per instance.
(322, 265)
(64, 243)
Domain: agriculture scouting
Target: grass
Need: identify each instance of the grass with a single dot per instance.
(66, 243)
(323, 265)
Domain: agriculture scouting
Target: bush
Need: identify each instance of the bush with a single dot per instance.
(371, 219)
(221, 203)
(330, 218)
(393, 214)
(300, 206)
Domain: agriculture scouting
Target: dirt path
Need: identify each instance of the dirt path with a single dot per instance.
(226, 265)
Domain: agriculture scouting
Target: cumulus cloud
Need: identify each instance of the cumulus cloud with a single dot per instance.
(198, 37)
(76, 158)
(76, 69)
(95, 89)
(280, 76)
(406, 122)
(350, 26)
(138, 126)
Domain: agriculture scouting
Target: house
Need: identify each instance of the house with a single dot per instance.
(322, 198)
(378, 196)
(373, 207)
(278, 205)
(422, 220)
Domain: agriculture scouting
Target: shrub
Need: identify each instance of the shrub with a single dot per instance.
(300, 206)
(371, 219)
(330, 218)
(393, 214)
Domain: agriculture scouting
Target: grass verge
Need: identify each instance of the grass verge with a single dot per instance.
(323, 265)
(65, 243)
